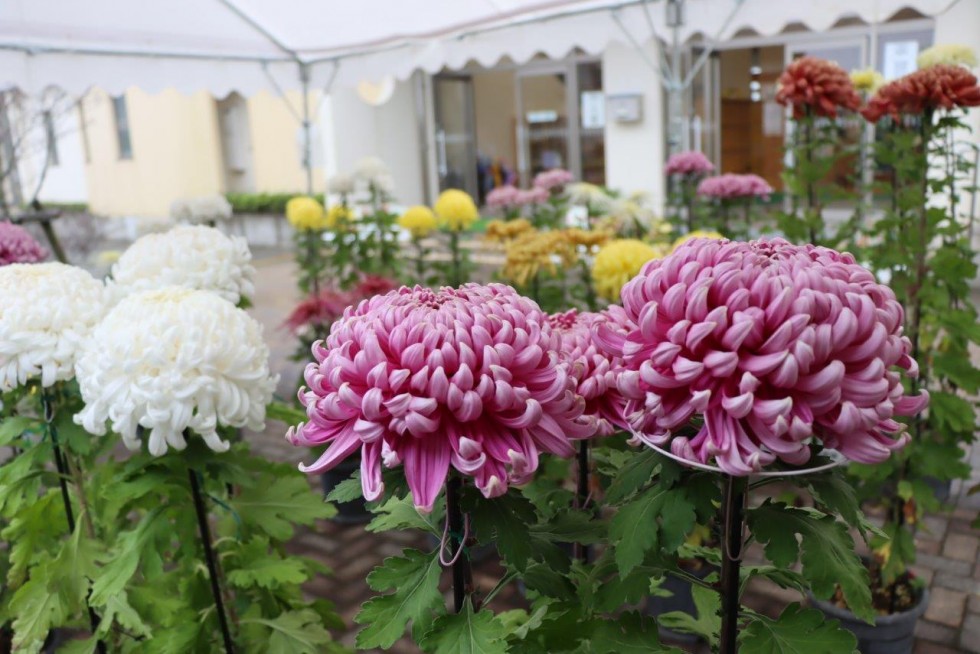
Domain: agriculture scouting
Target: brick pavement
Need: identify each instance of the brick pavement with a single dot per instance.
(947, 546)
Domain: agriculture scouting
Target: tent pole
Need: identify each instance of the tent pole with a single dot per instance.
(304, 78)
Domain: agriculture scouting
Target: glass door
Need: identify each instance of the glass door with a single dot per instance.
(455, 137)
(545, 111)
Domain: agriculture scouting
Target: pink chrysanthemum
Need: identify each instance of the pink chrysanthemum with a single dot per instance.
(469, 377)
(774, 345)
(18, 246)
(731, 186)
(503, 197)
(535, 195)
(594, 369)
(688, 163)
(554, 179)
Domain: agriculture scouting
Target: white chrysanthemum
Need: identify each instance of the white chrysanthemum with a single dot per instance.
(194, 256)
(952, 54)
(589, 195)
(47, 311)
(208, 208)
(173, 359)
(371, 169)
(341, 184)
(200, 210)
(180, 210)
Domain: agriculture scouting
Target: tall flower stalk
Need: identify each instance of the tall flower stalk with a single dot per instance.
(923, 245)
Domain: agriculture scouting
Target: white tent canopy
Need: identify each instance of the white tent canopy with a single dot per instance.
(248, 45)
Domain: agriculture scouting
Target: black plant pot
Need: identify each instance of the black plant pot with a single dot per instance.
(890, 634)
(348, 513)
(681, 600)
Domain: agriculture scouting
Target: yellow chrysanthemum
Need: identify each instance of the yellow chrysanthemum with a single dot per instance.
(503, 231)
(533, 251)
(867, 80)
(618, 262)
(456, 210)
(697, 233)
(306, 214)
(953, 54)
(418, 220)
(587, 238)
(338, 216)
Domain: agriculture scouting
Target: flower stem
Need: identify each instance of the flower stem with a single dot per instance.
(462, 573)
(210, 559)
(457, 278)
(419, 262)
(582, 551)
(733, 518)
(61, 463)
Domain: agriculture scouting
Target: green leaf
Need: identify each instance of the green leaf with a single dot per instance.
(347, 490)
(570, 527)
(400, 513)
(276, 507)
(466, 632)
(828, 555)
(119, 611)
(629, 633)
(285, 413)
(505, 522)
(658, 517)
(633, 475)
(292, 632)
(706, 624)
(255, 564)
(12, 428)
(836, 494)
(797, 631)
(37, 608)
(415, 580)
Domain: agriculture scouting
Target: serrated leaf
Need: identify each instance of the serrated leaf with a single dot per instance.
(836, 494)
(400, 513)
(633, 475)
(348, 490)
(292, 632)
(797, 631)
(570, 527)
(37, 608)
(629, 633)
(254, 564)
(276, 507)
(657, 518)
(505, 521)
(119, 611)
(706, 623)
(415, 580)
(780, 576)
(466, 632)
(826, 551)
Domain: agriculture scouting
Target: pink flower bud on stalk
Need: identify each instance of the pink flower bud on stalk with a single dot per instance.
(775, 345)
(468, 377)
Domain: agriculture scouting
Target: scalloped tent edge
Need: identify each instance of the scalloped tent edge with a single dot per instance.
(239, 45)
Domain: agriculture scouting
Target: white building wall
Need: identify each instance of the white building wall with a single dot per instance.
(64, 182)
(355, 129)
(635, 152)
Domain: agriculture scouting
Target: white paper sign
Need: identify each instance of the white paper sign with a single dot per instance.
(772, 118)
(899, 59)
(593, 110)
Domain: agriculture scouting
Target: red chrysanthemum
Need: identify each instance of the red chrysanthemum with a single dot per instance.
(819, 85)
(942, 86)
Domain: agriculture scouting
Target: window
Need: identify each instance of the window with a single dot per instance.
(51, 138)
(122, 127)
